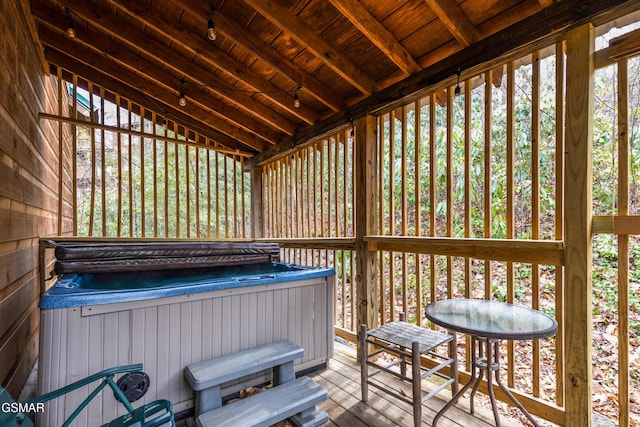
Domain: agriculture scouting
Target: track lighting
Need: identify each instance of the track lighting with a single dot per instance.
(296, 100)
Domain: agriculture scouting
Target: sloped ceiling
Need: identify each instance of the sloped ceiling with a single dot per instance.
(341, 58)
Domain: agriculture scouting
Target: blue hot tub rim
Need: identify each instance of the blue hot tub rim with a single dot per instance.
(68, 291)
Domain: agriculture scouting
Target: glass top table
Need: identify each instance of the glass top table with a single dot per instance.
(487, 323)
(491, 319)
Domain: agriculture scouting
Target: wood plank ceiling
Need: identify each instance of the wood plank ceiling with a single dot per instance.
(340, 58)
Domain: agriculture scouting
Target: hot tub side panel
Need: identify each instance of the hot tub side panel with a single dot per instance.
(168, 334)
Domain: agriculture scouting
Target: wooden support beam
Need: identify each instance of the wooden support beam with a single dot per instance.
(366, 221)
(558, 18)
(140, 134)
(454, 18)
(372, 29)
(187, 41)
(251, 42)
(113, 56)
(282, 18)
(147, 94)
(545, 252)
(578, 216)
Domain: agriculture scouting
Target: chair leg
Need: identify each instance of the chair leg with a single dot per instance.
(364, 370)
(417, 382)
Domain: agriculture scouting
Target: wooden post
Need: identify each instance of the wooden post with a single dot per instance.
(578, 216)
(366, 191)
(257, 226)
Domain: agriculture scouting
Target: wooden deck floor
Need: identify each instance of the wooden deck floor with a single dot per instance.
(342, 381)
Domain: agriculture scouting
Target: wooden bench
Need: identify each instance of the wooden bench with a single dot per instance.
(296, 400)
(207, 377)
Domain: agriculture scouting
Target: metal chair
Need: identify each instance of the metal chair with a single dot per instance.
(407, 343)
(155, 414)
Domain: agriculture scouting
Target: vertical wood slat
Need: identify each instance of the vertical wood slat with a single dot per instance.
(208, 172)
(119, 154)
(535, 208)
(142, 171)
(316, 196)
(289, 199)
(155, 177)
(166, 180)
(103, 167)
(345, 187)
(510, 207)
(322, 190)
(187, 184)
(310, 186)
(197, 177)
(623, 243)
(243, 218)
(468, 291)
(433, 175)
(381, 229)
(449, 183)
(336, 170)
(578, 216)
(217, 193)
(92, 197)
(417, 145)
(392, 212)
(61, 140)
(404, 207)
(74, 151)
(235, 196)
(559, 215)
(487, 175)
(177, 174)
(226, 198)
(130, 170)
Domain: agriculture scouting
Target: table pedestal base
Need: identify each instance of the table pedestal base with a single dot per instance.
(491, 364)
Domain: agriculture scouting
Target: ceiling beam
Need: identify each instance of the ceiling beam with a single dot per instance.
(209, 52)
(282, 18)
(144, 86)
(115, 59)
(372, 29)
(137, 41)
(456, 21)
(144, 98)
(252, 43)
(557, 19)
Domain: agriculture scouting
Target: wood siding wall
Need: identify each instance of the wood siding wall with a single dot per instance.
(29, 172)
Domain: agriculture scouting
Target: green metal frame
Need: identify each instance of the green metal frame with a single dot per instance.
(107, 375)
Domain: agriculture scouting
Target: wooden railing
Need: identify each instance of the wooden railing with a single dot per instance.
(453, 183)
(137, 173)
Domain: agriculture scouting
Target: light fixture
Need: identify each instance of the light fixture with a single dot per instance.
(457, 89)
(164, 124)
(296, 100)
(182, 101)
(71, 28)
(211, 30)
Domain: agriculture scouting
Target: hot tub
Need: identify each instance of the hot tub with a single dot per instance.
(167, 319)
